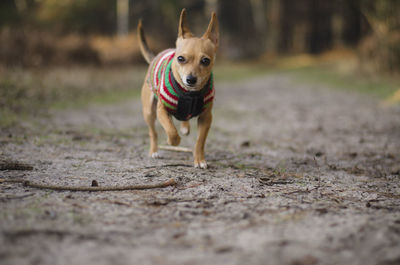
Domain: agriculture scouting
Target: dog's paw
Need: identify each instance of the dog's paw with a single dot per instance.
(185, 130)
(155, 155)
(201, 164)
(174, 140)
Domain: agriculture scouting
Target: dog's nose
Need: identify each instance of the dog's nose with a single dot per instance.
(191, 80)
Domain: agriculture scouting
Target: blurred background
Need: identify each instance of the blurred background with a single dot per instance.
(40, 37)
(102, 32)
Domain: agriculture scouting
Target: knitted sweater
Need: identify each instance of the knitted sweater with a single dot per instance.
(161, 82)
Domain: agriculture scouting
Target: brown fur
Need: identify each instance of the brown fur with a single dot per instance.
(193, 49)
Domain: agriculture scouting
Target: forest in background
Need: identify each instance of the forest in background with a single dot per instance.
(37, 33)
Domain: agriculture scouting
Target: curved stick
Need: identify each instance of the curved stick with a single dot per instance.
(170, 182)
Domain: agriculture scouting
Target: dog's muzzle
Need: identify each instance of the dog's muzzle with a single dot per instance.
(190, 103)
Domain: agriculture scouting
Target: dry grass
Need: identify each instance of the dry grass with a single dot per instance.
(33, 48)
(31, 91)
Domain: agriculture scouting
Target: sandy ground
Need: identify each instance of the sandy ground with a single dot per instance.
(299, 174)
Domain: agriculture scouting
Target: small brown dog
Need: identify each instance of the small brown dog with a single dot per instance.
(179, 83)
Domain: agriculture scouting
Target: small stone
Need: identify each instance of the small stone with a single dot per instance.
(395, 170)
(319, 153)
(95, 183)
(245, 216)
(245, 144)
(322, 210)
(51, 214)
(223, 249)
(306, 260)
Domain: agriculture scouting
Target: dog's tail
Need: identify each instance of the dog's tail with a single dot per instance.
(144, 48)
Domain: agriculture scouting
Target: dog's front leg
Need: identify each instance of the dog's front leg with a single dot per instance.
(204, 124)
(169, 127)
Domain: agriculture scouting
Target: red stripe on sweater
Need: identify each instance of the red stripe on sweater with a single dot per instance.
(208, 100)
(166, 100)
(165, 88)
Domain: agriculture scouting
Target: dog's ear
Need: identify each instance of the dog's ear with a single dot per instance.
(212, 31)
(183, 30)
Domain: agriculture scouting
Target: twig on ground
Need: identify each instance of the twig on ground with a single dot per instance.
(14, 165)
(169, 165)
(175, 148)
(302, 191)
(13, 197)
(170, 182)
(115, 202)
(15, 180)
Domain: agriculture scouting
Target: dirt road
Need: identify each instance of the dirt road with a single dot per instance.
(299, 174)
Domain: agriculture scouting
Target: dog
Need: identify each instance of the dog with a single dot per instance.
(179, 83)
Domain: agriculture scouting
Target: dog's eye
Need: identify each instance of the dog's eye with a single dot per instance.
(181, 59)
(205, 61)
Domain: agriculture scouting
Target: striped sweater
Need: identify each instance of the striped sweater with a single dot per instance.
(160, 80)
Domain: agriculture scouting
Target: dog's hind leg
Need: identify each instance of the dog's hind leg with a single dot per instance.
(150, 115)
(150, 120)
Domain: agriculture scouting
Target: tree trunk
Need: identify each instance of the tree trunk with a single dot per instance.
(122, 17)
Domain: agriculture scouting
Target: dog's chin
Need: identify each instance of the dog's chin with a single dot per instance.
(191, 87)
(196, 87)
